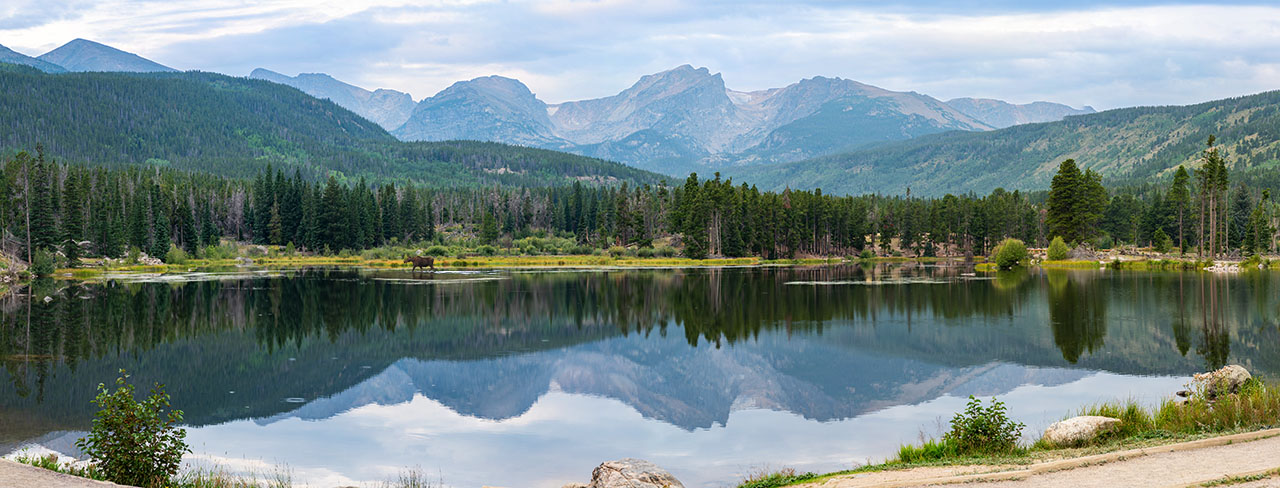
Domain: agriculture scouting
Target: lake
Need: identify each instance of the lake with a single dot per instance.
(532, 378)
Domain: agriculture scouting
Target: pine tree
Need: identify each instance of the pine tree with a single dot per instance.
(43, 229)
(488, 228)
(333, 219)
(694, 211)
(72, 218)
(1179, 202)
(160, 224)
(275, 229)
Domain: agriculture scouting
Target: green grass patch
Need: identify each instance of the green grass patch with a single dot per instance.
(778, 478)
(1237, 480)
(1070, 264)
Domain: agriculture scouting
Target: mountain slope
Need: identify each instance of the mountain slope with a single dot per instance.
(1130, 145)
(490, 108)
(235, 126)
(1001, 114)
(13, 57)
(85, 55)
(387, 108)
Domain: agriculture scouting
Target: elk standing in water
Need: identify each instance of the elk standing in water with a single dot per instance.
(426, 262)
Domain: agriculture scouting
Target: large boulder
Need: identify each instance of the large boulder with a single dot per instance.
(1224, 381)
(1077, 430)
(631, 473)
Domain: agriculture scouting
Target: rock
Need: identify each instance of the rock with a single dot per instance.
(575, 485)
(1076, 430)
(632, 473)
(1227, 380)
(1081, 253)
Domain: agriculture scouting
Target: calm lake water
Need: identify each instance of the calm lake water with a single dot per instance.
(531, 379)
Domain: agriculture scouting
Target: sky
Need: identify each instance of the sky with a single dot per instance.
(1106, 54)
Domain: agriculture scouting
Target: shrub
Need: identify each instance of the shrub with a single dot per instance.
(867, 254)
(175, 255)
(666, 251)
(617, 251)
(1058, 249)
(1009, 253)
(983, 430)
(486, 250)
(135, 443)
(1160, 241)
(42, 263)
(645, 252)
(437, 251)
(133, 255)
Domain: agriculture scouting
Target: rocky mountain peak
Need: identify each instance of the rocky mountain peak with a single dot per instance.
(86, 55)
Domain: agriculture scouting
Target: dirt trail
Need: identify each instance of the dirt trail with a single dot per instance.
(1176, 465)
(18, 475)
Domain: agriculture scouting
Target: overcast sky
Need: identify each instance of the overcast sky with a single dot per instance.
(1104, 54)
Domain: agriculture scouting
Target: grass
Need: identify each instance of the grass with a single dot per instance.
(218, 477)
(1236, 480)
(1255, 407)
(783, 477)
(469, 262)
(1070, 264)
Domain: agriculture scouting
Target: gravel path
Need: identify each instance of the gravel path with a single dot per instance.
(18, 475)
(1178, 465)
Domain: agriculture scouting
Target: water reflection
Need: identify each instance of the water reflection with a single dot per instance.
(692, 350)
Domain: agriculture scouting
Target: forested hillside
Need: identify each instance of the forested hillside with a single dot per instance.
(236, 127)
(1125, 146)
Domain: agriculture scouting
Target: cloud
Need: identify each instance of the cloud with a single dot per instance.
(1106, 54)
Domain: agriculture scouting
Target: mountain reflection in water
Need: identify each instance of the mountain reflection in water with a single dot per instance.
(659, 364)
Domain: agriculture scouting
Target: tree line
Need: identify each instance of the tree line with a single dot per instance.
(82, 211)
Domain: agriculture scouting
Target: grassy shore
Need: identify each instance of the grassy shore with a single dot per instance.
(1255, 407)
(93, 269)
(280, 477)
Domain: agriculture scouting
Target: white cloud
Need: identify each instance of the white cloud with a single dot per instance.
(572, 49)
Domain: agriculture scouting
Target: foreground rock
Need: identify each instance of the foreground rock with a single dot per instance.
(1076, 430)
(1225, 381)
(629, 473)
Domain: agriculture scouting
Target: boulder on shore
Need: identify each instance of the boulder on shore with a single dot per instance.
(629, 473)
(1225, 381)
(1076, 430)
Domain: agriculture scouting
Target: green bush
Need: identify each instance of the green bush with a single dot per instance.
(1160, 241)
(645, 252)
(617, 251)
(1009, 253)
(486, 250)
(135, 443)
(43, 263)
(666, 251)
(983, 430)
(1058, 249)
(176, 255)
(437, 251)
(867, 254)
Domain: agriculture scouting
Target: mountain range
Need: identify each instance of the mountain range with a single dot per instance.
(236, 127)
(676, 121)
(1127, 146)
(686, 118)
(840, 135)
